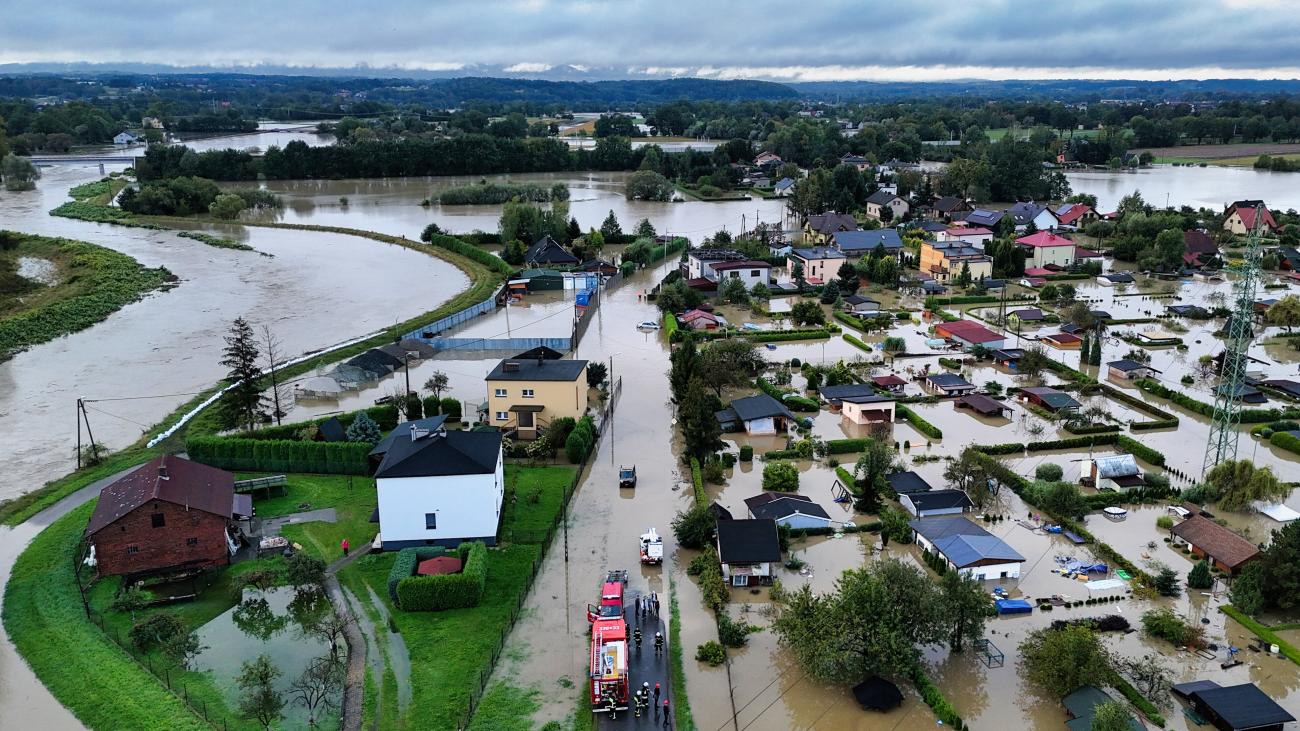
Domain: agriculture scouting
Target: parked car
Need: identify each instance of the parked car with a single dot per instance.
(648, 325)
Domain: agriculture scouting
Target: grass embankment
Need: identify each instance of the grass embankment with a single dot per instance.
(1264, 632)
(92, 283)
(79, 665)
(453, 651)
(483, 283)
(353, 499)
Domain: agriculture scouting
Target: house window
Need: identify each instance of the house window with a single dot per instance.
(191, 541)
(500, 393)
(754, 272)
(528, 393)
(430, 521)
(734, 275)
(740, 580)
(132, 550)
(503, 415)
(158, 519)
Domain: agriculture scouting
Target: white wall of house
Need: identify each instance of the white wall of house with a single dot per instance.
(766, 425)
(906, 502)
(855, 412)
(991, 344)
(466, 506)
(992, 571)
(1041, 256)
(751, 573)
(757, 275)
(799, 521)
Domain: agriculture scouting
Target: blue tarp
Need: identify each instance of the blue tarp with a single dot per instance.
(1013, 606)
(1075, 537)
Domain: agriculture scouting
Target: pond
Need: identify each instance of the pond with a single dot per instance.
(283, 624)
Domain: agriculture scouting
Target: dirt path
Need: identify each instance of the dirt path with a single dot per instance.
(354, 685)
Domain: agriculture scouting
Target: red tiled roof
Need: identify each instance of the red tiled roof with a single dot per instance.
(1082, 253)
(1248, 218)
(1220, 543)
(971, 332)
(188, 484)
(1038, 272)
(1199, 242)
(889, 380)
(1063, 338)
(1075, 212)
(1044, 238)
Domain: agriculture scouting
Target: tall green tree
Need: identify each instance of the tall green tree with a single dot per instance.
(1240, 483)
(870, 470)
(966, 607)
(240, 357)
(1058, 662)
(684, 360)
(700, 429)
(610, 227)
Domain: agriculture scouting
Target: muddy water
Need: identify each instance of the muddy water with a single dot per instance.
(393, 205)
(318, 289)
(1210, 186)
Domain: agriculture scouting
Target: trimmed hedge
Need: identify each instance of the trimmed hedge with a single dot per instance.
(670, 325)
(449, 591)
(385, 416)
(1248, 416)
(921, 425)
(852, 321)
(1147, 707)
(782, 454)
(280, 455)
(1092, 428)
(933, 698)
(697, 481)
(1263, 632)
(405, 564)
(846, 446)
(1136, 448)
(469, 251)
(1285, 441)
(765, 336)
(800, 403)
(857, 343)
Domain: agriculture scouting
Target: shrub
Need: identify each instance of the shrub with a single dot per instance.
(261, 455)
(731, 632)
(576, 447)
(746, 453)
(780, 476)
(1164, 624)
(1049, 472)
(451, 407)
(1199, 577)
(1165, 522)
(711, 652)
(449, 591)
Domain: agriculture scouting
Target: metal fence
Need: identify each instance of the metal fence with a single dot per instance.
(456, 318)
(516, 345)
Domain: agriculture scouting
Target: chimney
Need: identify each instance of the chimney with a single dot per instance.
(417, 433)
(162, 469)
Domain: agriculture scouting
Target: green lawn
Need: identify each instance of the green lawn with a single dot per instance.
(89, 674)
(353, 499)
(533, 497)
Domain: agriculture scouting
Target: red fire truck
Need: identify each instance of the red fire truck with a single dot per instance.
(609, 646)
(611, 597)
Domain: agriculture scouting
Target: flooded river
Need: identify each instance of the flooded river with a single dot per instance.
(1211, 186)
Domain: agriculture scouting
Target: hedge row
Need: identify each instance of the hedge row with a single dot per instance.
(801, 403)
(1147, 707)
(933, 303)
(1248, 416)
(697, 481)
(1263, 632)
(1285, 441)
(670, 325)
(281, 455)
(469, 251)
(782, 454)
(933, 698)
(448, 591)
(384, 416)
(846, 446)
(852, 321)
(406, 562)
(1091, 428)
(857, 343)
(921, 425)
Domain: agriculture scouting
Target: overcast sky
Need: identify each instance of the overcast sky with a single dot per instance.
(762, 39)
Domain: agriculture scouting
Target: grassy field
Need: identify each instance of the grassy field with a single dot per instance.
(80, 666)
(1209, 153)
(353, 500)
(1022, 133)
(533, 497)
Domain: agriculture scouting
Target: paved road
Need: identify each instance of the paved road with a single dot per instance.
(645, 666)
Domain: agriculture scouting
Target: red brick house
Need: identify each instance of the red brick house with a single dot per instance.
(1224, 549)
(170, 513)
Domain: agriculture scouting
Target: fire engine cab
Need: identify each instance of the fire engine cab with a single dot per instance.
(611, 597)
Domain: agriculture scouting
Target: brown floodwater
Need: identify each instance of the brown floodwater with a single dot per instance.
(319, 289)
(1211, 186)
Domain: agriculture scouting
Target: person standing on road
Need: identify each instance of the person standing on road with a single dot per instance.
(656, 600)
(667, 715)
(656, 694)
(345, 546)
(659, 643)
(636, 637)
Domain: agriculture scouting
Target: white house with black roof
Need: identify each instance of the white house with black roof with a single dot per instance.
(967, 548)
(759, 414)
(747, 549)
(905, 483)
(438, 487)
(936, 502)
(786, 508)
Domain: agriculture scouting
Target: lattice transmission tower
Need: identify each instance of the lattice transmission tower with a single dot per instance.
(1232, 373)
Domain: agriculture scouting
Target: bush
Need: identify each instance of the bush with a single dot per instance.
(846, 446)
(261, 455)
(1166, 625)
(923, 426)
(449, 591)
(731, 632)
(712, 653)
(576, 447)
(1165, 522)
(746, 453)
(469, 251)
(780, 476)
(1049, 472)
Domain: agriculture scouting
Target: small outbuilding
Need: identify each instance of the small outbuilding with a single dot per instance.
(1241, 707)
(905, 483)
(747, 549)
(1117, 472)
(983, 405)
(1063, 341)
(936, 502)
(890, 382)
(798, 512)
(949, 384)
(758, 414)
(1224, 549)
(1049, 398)
(868, 409)
(969, 334)
(1129, 370)
(967, 547)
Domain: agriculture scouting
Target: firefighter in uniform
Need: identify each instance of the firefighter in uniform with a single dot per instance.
(611, 705)
(659, 643)
(636, 637)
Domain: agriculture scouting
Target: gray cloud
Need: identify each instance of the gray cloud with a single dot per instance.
(833, 39)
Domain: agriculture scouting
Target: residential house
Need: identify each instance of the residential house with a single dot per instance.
(861, 305)
(1241, 707)
(818, 228)
(984, 218)
(798, 512)
(936, 502)
(969, 334)
(698, 320)
(700, 263)
(768, 160)
(946, 207)
(862, 243)
(832, 394)
(1023, 214)
(948, 384)
(1129, 370)
(869, 409)
(1025, 315)
(1114, 278)
(929, 229)
(857, 161)
(976, 236)
(931, 286)
(946, 262)
(983, 405)
(890, 382)
(440, 488)
(1239, 217)
(376, 363)
(1075, 216)
(1200, 249)
(1286, 386)
(1243, 393)
(748, 271)
(1063, 341)
(125, 138)
(1046, 248)
(820, 264)
(1288, 258)
(1082, 705)
(1008, 358)
(1049, 398)
(599, 266)
(880, 200)
(169, 514)
(547, 252)
(758, 414)
(1224, 549)
(784, 188)
(537, 280)
(747, 549)
(1118, 472)
(966, 547)
(906, 483)
(526, 394)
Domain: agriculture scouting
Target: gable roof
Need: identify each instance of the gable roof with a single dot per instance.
(906, 483)
(457, 453)
(1246, 210)
(742, 264)
(776, 505)
(863, 242)
(1029, 314)
(828, 223)
(963, 542)
(1053, 397)
(517, 369)
(759, 406)
(888, 380)
(882, 197)
(1043, 238)
(982, 404)
(940, 499)
(1117, 465)
(1242, 706)
(1199, 242)
(817, 252)
(949, 380)
(1127, 366)
(403, 431)
(748, 541)
(189, 484)
(949, 203)
(1284, 385)
(784, 183)
(984, 217)
(858, 299)
(970, 331)
(1070, 213)
(1220, 543)
(547, 250)
(1023, 213)
(848, 390)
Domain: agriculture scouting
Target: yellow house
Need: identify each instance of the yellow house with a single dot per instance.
(944, 261)
(526, 394)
